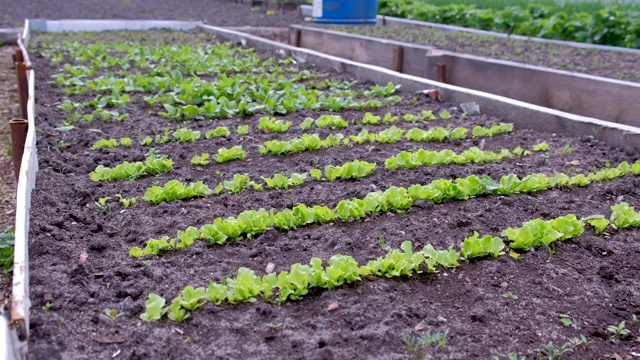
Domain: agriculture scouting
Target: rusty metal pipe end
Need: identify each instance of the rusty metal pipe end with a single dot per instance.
(23, 87)
(19, 128)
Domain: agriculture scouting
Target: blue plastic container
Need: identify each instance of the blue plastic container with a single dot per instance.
(345, 12)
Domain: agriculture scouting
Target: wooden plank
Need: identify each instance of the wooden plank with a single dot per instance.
(20, 302)
(359, 48)
(581, 94)
(522, 114)
(104, 25)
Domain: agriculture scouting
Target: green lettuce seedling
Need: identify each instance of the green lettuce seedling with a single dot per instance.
(220, 131)
(200, 159)
(623, 216)
(176, 312)
(242, 130)
(543, 146)
(396, 263)
(363, 136)
(154, 308)
(281, 181)
(130, 171)
(225, 155)
(538, 232)
(389, 119)
(427, 115)
(175, 190)
(331, 121)
(272, 125)
(445, 258)
(444, 115)
(370, 119)
(184, 135)
(598, 222)
(146, 141)
(104, 144)
(127, 202)
(474, 246)
(306, 124)
(192, 298)
(390, 135)
(126, 142)
(351, 170)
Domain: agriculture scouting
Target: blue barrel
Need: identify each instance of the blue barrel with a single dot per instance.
(345, 12)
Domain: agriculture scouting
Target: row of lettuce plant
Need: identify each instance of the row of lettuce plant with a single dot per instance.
(181, 135)
(341, 269)
(157, 164)
(154, 164)
(414, 159)
(311, 142)
(251, 223)
(273, 125)
(230, 95)
(175, 190)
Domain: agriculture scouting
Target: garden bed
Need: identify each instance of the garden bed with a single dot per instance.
(611, 64)
(80, 241)
(218, 12)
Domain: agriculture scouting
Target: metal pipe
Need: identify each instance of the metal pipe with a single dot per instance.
(23, 87)
(19, 129)
(18, 56)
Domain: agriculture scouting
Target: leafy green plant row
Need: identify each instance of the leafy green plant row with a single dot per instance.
(608, 26)
(158, 164)
(255, 86)
(622, 216)
(181, 135)
(337, 122)
(350, 170)
(154, 164)
(99, 113)
(341, 269)
(111, 143)
(273, 125)
(238, 95)
(176, 190)
(414, 159)
(251, 223)
(158, 60)
(311, 142)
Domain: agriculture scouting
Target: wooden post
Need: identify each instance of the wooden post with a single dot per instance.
(18, 129)
(441, 73)
(398, 58)
(296, 37)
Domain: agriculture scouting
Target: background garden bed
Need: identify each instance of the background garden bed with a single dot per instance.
(612, 64)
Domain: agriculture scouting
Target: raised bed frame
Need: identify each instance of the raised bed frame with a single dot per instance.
(587, 95)
(14, 333)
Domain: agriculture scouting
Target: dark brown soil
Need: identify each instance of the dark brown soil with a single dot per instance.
(612, 64)
(214, 12)
(80, 262)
